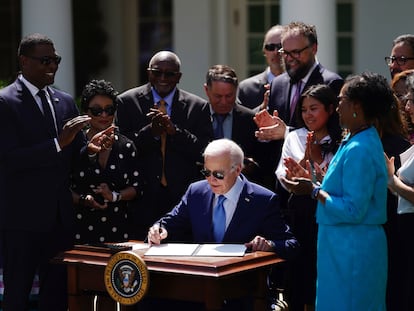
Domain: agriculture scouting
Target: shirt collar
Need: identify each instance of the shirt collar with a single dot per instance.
(306, 78)
(33, 89)
(212, 111)
(168, 99)
(234, 193)
(270, 76)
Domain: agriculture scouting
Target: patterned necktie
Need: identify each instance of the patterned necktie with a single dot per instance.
(163, 108)
(47, 113)
(219, 219)
(218, 131)
(295, 99)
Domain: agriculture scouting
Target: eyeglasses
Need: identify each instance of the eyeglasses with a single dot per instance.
(96, 112)
(273, 46)
(158, 73)
(217, 174)
(400, 60)
(293, 53)
(47, 60)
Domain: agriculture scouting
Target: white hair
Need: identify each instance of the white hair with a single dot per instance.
(225, 146)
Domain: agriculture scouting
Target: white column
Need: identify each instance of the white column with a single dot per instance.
(322, 14)
(53, 18)
(193, 42)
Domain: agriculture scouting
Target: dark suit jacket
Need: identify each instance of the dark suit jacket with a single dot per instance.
(251, 90)
(257, 213)
(243, 133)
(280, 88)
(279, 100)
(191, 116)
(243, 129)
(36, 190)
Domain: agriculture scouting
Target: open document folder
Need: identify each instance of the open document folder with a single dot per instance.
(184, 249)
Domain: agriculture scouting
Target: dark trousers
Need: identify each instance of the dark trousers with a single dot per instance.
(24, 255)
(401, 267)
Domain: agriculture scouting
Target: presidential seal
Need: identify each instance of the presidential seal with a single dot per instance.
(126, 278)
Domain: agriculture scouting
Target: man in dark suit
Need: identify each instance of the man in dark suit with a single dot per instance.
(170, 128)
(229, 118)
(252, 90)
(299, 48)
(251, 212)
(36, 153)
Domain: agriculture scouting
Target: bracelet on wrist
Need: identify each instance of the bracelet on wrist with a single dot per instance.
(315, 193)
(116, 196)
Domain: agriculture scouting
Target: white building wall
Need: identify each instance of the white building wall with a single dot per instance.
(53, 18)
(194, 41)
(377, 23)
(322, 14)
(120, 22)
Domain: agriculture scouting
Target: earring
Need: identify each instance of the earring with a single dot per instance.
(354, 115)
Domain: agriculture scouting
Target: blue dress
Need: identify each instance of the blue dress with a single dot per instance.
(352, 247)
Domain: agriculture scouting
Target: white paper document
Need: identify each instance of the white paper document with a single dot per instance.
(184, 249)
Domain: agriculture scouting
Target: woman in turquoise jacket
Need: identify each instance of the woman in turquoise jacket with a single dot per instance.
(352, 247)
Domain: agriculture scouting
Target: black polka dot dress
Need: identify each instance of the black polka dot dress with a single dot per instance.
(111, 224)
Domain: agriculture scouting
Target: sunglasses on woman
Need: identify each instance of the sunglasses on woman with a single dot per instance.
(97, 111)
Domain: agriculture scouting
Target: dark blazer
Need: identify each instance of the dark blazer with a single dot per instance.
(191, 117)
(36, 190)
(257, 213)
(280, 89)
(279, 100)
(243, 133)
(251, 90)
(243, 129)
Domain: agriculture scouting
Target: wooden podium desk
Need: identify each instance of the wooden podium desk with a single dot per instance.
(209, 280)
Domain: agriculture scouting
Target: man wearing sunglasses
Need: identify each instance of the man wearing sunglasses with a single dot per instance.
(249, 214)
(402, 54)
(299, 47)
(252, 90)
(252, 214)
(36, 153)
(170, 128)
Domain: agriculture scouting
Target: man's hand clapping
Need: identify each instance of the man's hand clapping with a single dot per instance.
(270, 127)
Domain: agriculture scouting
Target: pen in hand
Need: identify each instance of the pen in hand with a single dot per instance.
(156, 233)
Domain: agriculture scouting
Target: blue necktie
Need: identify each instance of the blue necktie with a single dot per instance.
(47, 112)
(218, 131)
(219, 219)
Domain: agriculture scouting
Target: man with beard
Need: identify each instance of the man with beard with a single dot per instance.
(299, 48)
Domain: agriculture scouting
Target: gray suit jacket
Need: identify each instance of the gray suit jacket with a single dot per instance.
(251, 90)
